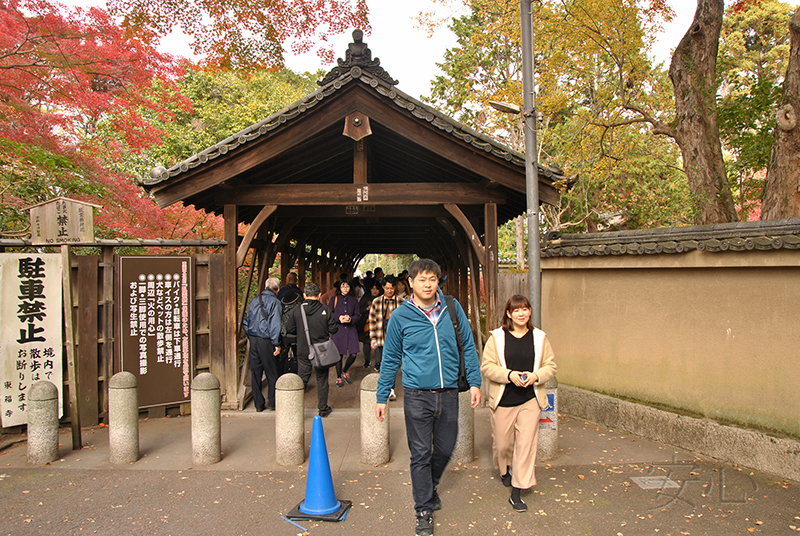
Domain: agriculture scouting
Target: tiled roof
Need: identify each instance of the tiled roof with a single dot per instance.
(371, 76)
(743, 236)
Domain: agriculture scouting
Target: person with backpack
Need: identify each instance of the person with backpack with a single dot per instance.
(262, 324)
(320, 324)
(287, 362)
(422, 336)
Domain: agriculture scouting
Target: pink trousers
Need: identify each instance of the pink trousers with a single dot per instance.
(515, 436)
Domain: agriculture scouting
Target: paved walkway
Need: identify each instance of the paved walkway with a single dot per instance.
(589, 489)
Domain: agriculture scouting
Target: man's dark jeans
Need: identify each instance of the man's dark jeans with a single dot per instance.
(432, 429)
(263, 362)
(304, 368)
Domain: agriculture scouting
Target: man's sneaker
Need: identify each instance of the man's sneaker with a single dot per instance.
(518, 506)
(392, 395)
(424, 523)
(436, 502)
(325, 412)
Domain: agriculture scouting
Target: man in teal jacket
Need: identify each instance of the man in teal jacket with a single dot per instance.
(421, 337)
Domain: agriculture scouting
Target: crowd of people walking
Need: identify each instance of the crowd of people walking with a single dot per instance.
(405, 322)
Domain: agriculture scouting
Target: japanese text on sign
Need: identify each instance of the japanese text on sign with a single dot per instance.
(157, 326)
(31, 340)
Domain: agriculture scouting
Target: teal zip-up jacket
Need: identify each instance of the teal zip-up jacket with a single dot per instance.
(428, 354)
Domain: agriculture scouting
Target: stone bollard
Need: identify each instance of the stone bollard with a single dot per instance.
(548, 424)
(374, 434)
(42, 423)
(464, 451)
(123, 418)
(290, 442)
(206, 406)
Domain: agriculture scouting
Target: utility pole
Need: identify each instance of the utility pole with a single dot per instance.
(531, 161)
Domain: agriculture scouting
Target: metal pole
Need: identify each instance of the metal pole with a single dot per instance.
(531, 162)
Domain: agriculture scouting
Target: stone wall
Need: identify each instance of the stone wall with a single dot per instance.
(701, 320)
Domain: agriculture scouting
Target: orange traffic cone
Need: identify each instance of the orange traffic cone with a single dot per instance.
(320, 502)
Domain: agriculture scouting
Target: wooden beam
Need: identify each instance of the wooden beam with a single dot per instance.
(491, 268)
(446, 145)
(251, 233)
(69, 332)
(360, 162)
(472, 235)
(107, 358)
(243, 307)
(251, 155)
(283, 239)
(371, 194)
(359, 213)
(230, 382)
(474, 272)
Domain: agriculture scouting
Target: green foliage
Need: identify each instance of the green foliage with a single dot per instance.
(391, 264)
(222, 103)
(592, 66)
(753, 56)
(635, 182)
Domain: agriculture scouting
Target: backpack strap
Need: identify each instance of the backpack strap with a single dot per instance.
(451, 308)
(263, 311)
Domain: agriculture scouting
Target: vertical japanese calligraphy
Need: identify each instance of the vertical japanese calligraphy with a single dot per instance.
(157, 326)
(62, 221)
(30, 330)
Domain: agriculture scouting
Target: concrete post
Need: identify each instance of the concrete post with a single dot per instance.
(374, 434)
(464, 451)
(42, 423)
(548, 424)
(206, 406)
(290, 442)
(123, 418)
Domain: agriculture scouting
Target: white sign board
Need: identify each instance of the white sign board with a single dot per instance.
(30, 330)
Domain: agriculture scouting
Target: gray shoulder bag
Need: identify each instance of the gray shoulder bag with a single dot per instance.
(321, 354)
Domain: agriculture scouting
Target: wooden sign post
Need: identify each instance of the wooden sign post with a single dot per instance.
(72, 369)
(62, 221)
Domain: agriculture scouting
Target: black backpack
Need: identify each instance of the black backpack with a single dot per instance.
(288, 302)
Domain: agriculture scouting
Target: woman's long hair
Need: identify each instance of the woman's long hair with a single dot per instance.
(517, 301)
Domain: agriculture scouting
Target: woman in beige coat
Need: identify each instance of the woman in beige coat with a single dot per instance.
(517, 360)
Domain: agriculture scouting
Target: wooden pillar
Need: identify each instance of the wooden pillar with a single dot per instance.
(492, 267)
(107, 352)
(475, 297)
(327, 271)
(301, 266)
(231, 379)
(86, 356)
(69, 332)
(463, 285)
(315, 261)
(286, 263)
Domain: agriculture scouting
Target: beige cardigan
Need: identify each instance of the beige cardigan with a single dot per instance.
(493, 365)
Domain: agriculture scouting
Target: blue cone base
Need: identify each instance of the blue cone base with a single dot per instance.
(307, 509)
(339, 515)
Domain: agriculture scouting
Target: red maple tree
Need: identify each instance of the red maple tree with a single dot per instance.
(243, 34)
(75, 94)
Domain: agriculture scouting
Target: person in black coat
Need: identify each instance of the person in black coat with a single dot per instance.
(320, 325)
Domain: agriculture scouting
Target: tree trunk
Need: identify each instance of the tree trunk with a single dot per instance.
(782, 188)
(692, 72)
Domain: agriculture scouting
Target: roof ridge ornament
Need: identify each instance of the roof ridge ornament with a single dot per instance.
(358, 54)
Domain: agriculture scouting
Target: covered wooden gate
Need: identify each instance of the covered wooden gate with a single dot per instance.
(355, 167)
